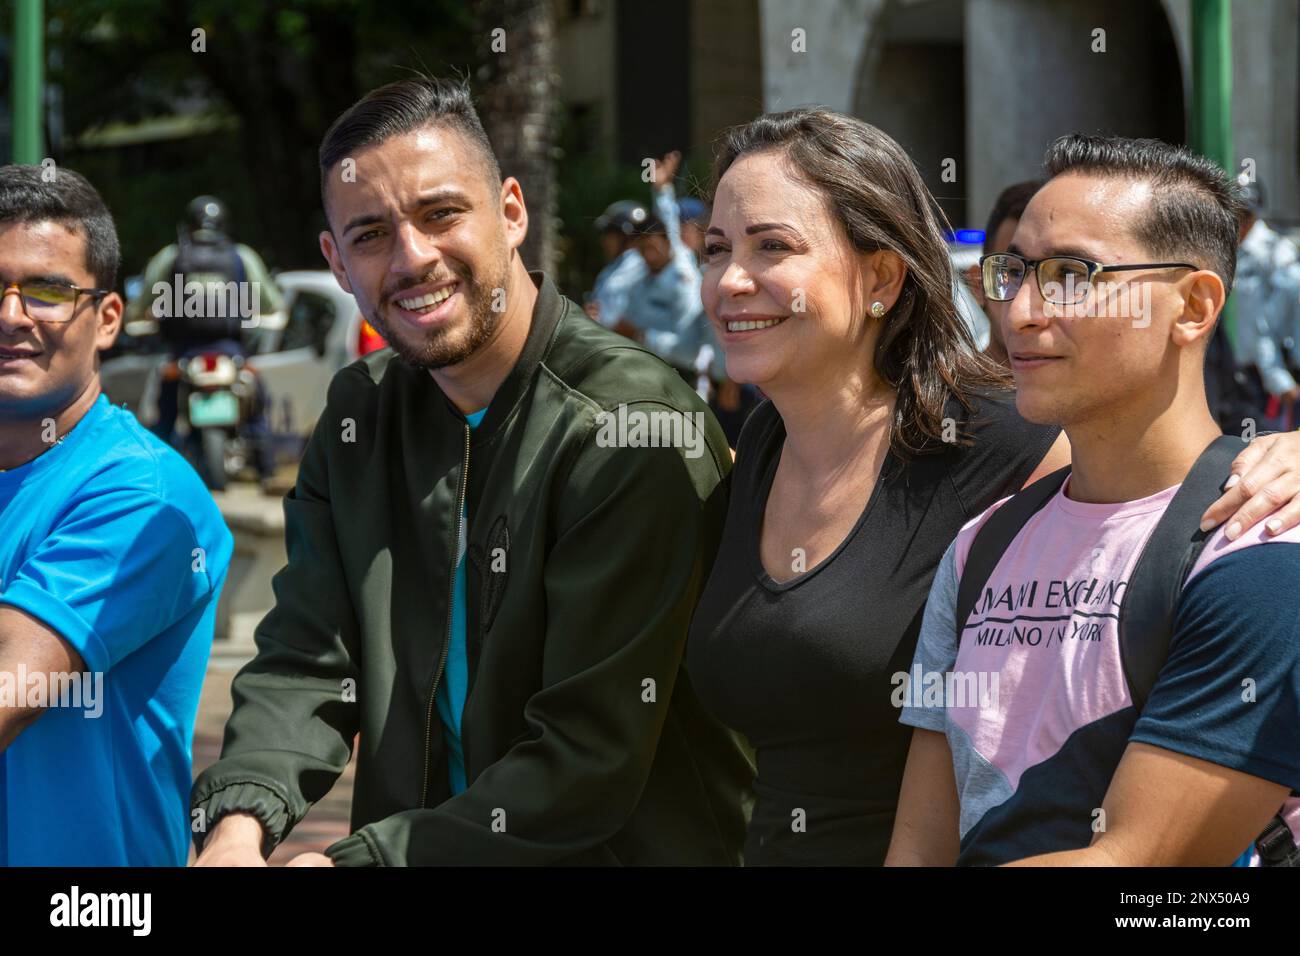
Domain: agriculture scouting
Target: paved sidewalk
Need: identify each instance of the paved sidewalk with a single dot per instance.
(325, 823)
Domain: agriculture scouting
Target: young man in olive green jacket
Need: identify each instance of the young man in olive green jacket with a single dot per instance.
(496, 541)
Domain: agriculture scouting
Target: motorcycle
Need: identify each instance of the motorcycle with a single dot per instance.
(218, 394)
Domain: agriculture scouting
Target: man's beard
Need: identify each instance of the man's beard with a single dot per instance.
(447, 346)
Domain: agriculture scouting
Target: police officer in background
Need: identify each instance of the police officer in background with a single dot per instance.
(650, 291)
(663, 309)
(1267, 290)
(624, 267)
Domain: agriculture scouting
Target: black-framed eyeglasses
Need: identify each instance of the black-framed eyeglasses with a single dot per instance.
(1062, 280)
(45, 301)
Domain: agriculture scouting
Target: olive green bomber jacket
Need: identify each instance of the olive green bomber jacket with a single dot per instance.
(583, 740)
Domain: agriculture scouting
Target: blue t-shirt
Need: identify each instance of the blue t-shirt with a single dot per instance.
(455, 676)
(110, 539)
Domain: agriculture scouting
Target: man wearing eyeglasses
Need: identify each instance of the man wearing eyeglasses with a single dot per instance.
(1114, 279)
(112, 557)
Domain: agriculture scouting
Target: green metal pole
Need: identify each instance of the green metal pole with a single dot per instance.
(1211, 120)
(28, 81)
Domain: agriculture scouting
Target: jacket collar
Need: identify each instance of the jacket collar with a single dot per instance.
(548, 312)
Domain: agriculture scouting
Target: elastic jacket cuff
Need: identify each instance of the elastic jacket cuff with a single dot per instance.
(355, 850)
(244, 796)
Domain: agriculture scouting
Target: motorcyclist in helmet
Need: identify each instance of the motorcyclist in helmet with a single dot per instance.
(239, 299)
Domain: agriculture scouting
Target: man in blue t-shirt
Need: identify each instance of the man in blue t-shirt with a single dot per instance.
(112, 557)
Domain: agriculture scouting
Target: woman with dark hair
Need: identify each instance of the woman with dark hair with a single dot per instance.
(828, 284)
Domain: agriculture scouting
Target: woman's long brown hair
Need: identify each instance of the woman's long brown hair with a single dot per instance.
(925, 352)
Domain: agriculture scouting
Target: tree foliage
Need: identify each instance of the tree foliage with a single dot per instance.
(277, 72)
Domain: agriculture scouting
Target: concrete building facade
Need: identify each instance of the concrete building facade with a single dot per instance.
(974, 89)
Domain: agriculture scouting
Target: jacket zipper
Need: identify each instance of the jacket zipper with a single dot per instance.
(446, 640)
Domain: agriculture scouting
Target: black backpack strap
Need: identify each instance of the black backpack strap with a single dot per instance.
(1146, 617)
(993, 539)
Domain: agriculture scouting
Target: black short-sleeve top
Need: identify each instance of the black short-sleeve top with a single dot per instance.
(804, 669)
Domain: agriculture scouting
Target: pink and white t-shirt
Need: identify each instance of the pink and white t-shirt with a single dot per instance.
(1048, 714)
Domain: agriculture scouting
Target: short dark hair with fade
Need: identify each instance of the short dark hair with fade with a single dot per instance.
(1194, 208)
(1010, 204)
(402, 107)
(31, 194)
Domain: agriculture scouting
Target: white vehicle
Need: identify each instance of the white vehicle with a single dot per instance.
(297, 352)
